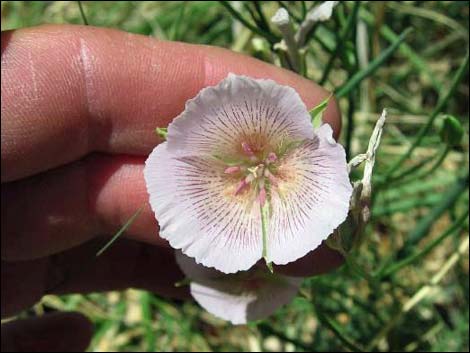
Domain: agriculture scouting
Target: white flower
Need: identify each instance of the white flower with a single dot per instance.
(241, 297)
(238, 148)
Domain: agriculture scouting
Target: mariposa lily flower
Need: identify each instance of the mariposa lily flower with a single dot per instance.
(243, 175)
(245, 296)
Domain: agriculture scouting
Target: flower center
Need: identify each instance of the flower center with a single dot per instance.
(256, 172)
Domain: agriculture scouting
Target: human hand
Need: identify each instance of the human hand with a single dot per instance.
(79, 109)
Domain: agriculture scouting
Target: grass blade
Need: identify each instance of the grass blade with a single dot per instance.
(120, 231)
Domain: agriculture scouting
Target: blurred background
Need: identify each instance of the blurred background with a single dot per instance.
(405, 287)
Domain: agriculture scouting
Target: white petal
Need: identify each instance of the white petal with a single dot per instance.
(230, 297)
(314, 198)
(323, 11)
(219, 118)
(198, 214)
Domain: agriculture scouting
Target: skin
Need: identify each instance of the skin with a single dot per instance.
(78, 113)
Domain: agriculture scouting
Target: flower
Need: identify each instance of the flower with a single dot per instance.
(243, 175)
(241, 297)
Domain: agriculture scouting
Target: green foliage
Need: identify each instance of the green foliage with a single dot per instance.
(406, 287)
(451, 130)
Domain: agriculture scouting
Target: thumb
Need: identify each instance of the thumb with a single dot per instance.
(57, 332)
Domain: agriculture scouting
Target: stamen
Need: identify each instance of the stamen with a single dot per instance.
(232, 170)
(242, 185)
(271, 157)
(247, 149)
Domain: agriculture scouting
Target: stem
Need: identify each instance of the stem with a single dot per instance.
(264, 23)
(420, 294)
(415, 59)
(427, 249)
(425, 129)
(282, 21)
(82, 13)
(176, 26)
(346, 31)
(337, 330)
(264, 225)
(304, 9)
(447, 201)
(120, 231)
(431, 170)
(269, 36)
(350, 126)
(374, 65)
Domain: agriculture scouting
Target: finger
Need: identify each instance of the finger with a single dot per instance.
(69, 205)
(58, 332)
(126, 264)
(69, 90)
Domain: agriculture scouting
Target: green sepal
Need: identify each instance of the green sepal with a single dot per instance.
(316, 113)
(161, 132)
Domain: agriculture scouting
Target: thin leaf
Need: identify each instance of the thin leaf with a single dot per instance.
(317, 113)
(120, 231)
(162, 132)
(374, 65)
(82, 13)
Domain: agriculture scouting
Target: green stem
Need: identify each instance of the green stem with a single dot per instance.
(147, 317)
(399, 179)
(263, 22)
(427, 249)
(350, 126)
(415, 59)
(343, 36)
(460, 74)
(448, 200)
(304, 9)
(370, 69)
(264, 225)
(410, 171)
(269, 36)
(177, 24)
(422, 228)
(120, 231)
(420, 294)
(82, 13)
(337, 330)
